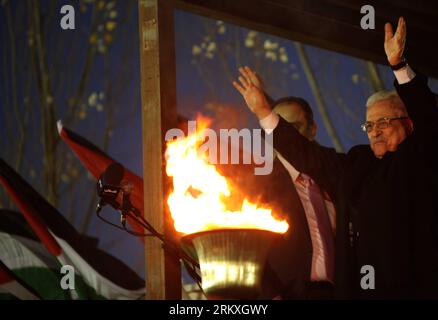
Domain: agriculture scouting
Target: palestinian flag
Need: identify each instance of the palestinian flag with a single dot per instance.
(97, 274)
(12, 287)
(27, 270)
(96, 161)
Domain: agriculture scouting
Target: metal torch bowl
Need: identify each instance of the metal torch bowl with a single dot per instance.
(232, 261)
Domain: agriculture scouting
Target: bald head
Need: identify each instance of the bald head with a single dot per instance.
(297, 112)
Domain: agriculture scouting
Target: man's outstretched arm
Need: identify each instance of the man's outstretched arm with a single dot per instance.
(413, 90)
(321, 163)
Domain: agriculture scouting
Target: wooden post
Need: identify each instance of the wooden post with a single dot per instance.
(158, 98)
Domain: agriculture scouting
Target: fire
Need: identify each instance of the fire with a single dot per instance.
(196, 203)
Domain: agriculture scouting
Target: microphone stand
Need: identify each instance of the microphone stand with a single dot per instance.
(128, 210)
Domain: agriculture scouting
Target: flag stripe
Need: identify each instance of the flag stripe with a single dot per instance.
(98, 262)
(100, 283)
(31, 262)
(19, 252)
(10, 283)
(36, 223)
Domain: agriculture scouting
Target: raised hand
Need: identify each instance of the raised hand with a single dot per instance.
(395, 43)
(253, 94)
(253, 76)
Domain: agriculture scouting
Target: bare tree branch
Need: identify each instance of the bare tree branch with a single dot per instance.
(78, 96)
(48, 128)
(20, 121)
(374, 76)
(318, 96)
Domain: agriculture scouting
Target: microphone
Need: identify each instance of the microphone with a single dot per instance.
(108, 186)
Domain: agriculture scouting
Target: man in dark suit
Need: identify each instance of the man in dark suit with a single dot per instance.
(304, 258)
(384, 193)
(301, 264)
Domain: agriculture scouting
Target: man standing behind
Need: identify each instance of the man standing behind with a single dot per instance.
(304, 260)
(384, 193)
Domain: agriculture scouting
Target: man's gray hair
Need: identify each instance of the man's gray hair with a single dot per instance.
(392, 97)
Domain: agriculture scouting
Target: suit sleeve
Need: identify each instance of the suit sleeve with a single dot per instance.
(322, 164)
(421, 105)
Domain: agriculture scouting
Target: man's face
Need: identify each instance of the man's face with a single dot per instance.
(294, 113)
(385, 139)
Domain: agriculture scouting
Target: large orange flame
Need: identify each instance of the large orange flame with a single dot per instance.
(196, 203)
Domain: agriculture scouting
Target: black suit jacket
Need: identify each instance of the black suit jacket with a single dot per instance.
(289, 260)
(290, 257)
(387, 209)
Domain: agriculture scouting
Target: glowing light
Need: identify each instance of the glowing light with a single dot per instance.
(226, 273)
(196, 203)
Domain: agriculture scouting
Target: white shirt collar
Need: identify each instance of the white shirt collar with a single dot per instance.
(292, 171)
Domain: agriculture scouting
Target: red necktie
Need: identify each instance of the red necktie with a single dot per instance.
(323, 222)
